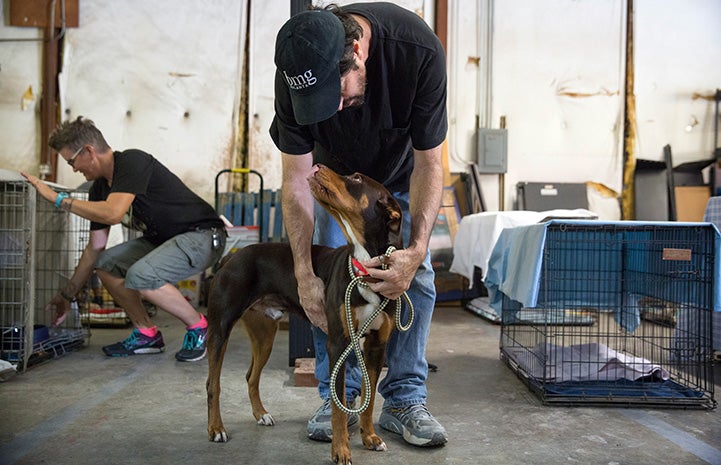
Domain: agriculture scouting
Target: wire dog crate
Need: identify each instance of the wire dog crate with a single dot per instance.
(39, 248)
(623, 315)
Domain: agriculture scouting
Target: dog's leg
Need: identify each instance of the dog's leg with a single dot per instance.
(261, 330)
(374, 350)
(340, 443)
(216, 344)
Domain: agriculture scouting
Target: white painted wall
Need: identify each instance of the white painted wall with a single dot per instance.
(266, 19)
(162, 76)
(553, 68)
(678, 55)
(540, 53)
(19, 118)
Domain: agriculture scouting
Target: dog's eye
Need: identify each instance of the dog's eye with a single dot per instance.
(357, 178)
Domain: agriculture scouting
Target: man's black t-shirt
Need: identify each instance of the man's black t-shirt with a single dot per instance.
(405, 104)
(163, 206)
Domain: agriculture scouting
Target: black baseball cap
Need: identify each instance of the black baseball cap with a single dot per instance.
(308, 50)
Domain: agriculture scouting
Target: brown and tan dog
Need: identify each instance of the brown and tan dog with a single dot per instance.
(258, 280)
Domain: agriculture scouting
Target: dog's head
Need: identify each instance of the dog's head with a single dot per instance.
(366, 211)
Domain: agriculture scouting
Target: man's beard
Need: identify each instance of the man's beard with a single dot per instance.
(358, 99)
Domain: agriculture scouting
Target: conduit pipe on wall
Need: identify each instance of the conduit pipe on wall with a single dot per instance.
(484, 72)
(485, 48)
(453, 86)
(484, 45)
(453, 78)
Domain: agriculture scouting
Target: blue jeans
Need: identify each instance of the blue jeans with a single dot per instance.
(405, 381)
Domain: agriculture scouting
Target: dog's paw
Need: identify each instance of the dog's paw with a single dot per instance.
(375, 443)
(266, 420)
(219, 436)
(379, 447)
(342, 461)
(340, 454)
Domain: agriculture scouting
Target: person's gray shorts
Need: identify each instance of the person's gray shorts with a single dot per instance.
(147, 266)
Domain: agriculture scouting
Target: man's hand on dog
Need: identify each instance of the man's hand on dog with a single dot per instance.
(311, 292)
(388, 275)
(400, 268)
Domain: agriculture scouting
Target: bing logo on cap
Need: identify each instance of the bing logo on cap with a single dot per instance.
(308, 50)
(300, 81)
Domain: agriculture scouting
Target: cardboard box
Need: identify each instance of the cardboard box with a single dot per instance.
(239, 237)
(691, 202)
(190, 288)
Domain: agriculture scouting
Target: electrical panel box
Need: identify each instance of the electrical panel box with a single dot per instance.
(492, 151)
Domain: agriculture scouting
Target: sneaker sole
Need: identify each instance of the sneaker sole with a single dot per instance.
(195, 359)
(145, 351)
(326, 435)
(322, 436)
(394, 426)
(149, 350)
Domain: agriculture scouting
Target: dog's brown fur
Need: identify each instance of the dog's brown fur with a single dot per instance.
(259, 279)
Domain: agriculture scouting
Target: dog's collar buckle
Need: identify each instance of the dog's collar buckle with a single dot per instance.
(358, 269)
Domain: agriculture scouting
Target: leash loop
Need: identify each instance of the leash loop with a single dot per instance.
(355, 336)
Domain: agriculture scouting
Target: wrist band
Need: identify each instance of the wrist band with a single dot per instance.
(59, 198)
(65, 296)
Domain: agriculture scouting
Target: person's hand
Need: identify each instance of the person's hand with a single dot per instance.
(400, 269)
(43, 189)
(311, 292)
(60, 306)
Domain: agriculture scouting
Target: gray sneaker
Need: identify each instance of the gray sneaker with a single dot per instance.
(319, 425)
(415, 423)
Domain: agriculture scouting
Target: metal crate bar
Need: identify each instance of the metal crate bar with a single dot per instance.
(623, 316)
(39, 249)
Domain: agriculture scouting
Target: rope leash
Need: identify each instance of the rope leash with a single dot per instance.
(355, 336)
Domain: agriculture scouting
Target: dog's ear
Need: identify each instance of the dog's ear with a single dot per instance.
(394, 217)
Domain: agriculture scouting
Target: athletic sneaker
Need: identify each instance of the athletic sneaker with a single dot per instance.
(136, 343)
(193, 345)
(319, 425)
(415, 423)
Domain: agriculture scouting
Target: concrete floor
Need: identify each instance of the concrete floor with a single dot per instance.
(89, 408)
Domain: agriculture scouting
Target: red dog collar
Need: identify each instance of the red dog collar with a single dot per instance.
(358, 269)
